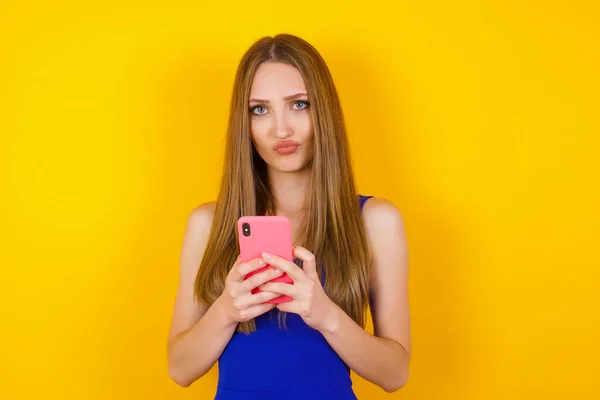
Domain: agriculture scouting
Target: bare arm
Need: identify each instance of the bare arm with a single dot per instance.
(383, 358)
(199, 334)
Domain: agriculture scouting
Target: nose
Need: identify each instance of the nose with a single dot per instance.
(283, 128)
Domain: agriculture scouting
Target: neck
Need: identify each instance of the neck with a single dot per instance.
(289, 192)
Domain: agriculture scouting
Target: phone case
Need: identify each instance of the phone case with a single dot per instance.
(271, 234)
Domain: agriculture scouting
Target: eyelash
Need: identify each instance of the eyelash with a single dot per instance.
(305, 102)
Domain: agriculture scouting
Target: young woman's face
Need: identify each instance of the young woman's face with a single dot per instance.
(280, 117)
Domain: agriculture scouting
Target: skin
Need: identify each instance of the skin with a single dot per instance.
(199, 334)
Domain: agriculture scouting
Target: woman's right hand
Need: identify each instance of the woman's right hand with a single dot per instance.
(237, 300)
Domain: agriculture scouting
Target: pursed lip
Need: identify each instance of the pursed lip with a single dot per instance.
(285, 143)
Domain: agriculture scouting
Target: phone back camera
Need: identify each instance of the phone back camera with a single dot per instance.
(246, 229)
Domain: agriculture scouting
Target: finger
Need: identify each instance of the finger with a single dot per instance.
(259, 278)
(289, 267)
(262, 297)
(289, 306)
(309, 263)
(250, 299)
(283, 288)
(245, 268)
(255, 311)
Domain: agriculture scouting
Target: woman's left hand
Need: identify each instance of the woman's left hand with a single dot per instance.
(309, 298)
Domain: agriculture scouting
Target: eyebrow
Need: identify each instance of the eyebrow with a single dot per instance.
(290, 97)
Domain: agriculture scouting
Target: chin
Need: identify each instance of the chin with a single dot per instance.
(290, 165)
(288, 168)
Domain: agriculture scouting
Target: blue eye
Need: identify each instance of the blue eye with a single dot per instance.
(303, 104)
(261, 108)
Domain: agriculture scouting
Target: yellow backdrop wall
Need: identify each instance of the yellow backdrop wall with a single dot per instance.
(478, 119)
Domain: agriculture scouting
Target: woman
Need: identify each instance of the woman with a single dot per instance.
(287, 154)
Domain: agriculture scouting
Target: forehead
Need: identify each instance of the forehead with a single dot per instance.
(275, 79)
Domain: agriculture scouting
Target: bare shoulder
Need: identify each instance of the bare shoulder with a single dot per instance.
(386, 236)
(381, 218)
(197, 231)
(200, 218)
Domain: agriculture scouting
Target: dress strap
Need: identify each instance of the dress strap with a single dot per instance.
(362, 200)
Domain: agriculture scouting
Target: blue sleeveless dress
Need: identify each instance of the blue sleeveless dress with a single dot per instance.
(276, 364)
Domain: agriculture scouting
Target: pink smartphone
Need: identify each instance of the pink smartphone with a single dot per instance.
(271, 234)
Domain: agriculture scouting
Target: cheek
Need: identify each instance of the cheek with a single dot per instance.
(259, 130)
(303, 126)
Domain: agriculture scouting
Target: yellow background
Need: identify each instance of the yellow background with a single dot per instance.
(478, 119)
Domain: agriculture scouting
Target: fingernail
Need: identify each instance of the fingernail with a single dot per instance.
(261, 262)
(276, 271)
(266, 256)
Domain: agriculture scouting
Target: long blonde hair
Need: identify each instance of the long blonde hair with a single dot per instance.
(333, 228)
